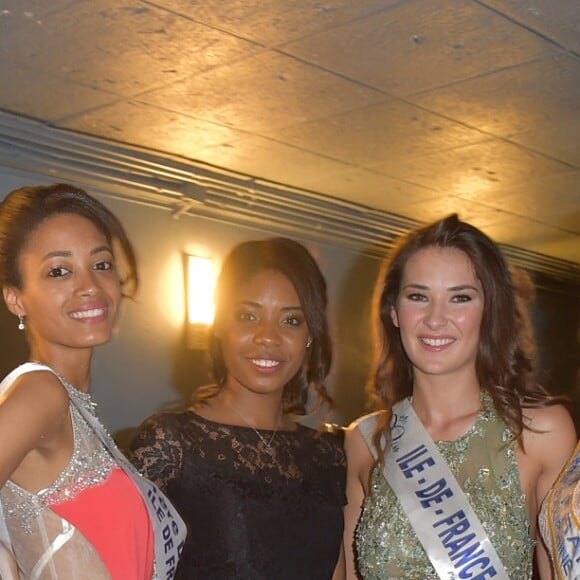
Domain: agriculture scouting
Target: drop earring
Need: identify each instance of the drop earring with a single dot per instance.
(309, 343)
(21, 325)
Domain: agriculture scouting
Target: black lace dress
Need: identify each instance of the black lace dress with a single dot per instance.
(252, 513)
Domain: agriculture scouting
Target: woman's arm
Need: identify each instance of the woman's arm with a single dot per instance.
(156, 451)
(359, 462)
(33, 411)
(546, 450)
(340, 570)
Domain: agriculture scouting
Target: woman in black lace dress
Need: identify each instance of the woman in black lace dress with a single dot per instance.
(261, 493)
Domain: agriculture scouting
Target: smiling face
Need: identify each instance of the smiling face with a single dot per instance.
(70, 288)
(439, 311)
(263, 334)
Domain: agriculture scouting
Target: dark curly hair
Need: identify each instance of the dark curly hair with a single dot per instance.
(504, 362)
(24, 209)
(294, 261)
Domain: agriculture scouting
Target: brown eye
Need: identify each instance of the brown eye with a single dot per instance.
(293, 320)
(245, 316)
(416, 297)
(461, 298)
(104, 265)
(58, 272)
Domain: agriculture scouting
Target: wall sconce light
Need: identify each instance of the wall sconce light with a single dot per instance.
(200, 281)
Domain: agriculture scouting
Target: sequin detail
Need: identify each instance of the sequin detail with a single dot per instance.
(485, 464)
(90, 465)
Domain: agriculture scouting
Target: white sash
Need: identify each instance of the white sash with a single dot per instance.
(433, 501)
(8, 565)
(169, 529)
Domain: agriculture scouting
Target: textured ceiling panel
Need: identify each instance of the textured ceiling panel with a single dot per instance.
(152, 127)
(557, 20)
(272, 22)
(271, 90)
(513, 100)
(122, 47)
(408, 107)
(422, 45)
(375, 134)
(474, 170)
(41, 94)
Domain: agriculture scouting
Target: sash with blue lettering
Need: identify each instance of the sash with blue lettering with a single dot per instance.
(433, 501)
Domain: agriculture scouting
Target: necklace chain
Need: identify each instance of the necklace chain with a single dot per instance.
(267, 444)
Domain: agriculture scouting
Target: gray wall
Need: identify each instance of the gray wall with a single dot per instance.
(147, 367)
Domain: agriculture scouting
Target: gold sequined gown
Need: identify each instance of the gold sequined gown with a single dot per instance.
(485, 465)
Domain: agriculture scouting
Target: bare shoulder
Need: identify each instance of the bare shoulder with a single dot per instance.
(39, 393)
(356, 444)
(42, 383)
(550, 433)
(365, 422)
(353, 438)
(549, 422)
(547, 443)
(548, 418)
(34, 414)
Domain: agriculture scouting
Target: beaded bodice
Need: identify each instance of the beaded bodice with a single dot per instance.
(90, 465)
(46, 546)
(485, 465)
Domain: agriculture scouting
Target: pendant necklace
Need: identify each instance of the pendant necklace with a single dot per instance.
(267, 444)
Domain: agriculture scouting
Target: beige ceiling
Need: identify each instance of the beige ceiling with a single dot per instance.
(417, 107)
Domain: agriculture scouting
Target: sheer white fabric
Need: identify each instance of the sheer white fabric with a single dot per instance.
(46, 546)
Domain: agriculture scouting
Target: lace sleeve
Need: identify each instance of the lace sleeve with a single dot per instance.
(157, 451)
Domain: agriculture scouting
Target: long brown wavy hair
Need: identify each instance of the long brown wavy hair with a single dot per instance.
(504, 362)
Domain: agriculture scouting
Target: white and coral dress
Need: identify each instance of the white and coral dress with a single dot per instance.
(91, 523)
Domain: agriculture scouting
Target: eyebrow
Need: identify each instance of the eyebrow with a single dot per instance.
(464, 287)
(458, 288)
(67, 254)
(258, 305)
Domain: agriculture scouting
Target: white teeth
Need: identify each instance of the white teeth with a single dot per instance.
(265, 363)
(88, 313)
(437, 341)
